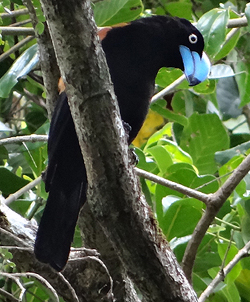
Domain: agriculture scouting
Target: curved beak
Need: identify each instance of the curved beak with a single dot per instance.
(196, 68)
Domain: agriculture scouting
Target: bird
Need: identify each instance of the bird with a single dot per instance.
(134, 52)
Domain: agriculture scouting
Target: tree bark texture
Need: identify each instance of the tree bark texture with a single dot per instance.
(114, 196)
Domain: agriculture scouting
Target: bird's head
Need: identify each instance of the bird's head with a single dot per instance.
(185, 45)
(196, 64)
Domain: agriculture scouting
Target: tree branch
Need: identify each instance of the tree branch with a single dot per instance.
(17, 234)
(16, 276)
(23, 190)
(173, 185)
(239, 22)
(215, 203)
(15, 47)
(15, 13)
(24, 138)
(17, 31)
(8, 296)
(244, 252)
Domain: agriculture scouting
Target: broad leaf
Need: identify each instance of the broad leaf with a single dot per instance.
(221, 71)
(162, 157)
(228, 97)
(9, 182)
(181, 217)
(243, 81)
(21, 67)
(110, 12)
(222, 157)
(201, 138)
(213, 27)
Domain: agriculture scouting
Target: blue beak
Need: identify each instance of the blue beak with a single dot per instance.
(196, 68)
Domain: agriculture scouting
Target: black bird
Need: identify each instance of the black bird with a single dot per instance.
(135, 52)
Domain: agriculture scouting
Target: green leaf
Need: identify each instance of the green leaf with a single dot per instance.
(222, 157)
(181, 217)
(231, 293)
(201, 138)
(227, 46)
(167, 76)
(177, 154)
(3, 153)
(163, 132)
(242, 283)
(243, 81)
(21, 67)
(35, 158)
(34, 119)
(230, 165)
(182, 9)
(245, 230)
(199, 283)
(207, 256)
(168, 114)
(162, 157)
(228, 97)
(221, 71)
(212, 25)
(205, 87)
(178, 245)
(145, 163)
(39, 28)
(110, 12)
(9, 182)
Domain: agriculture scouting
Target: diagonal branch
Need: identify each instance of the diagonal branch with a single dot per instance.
(244, 252)
(216, 201)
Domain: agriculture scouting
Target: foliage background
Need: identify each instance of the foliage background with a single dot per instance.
(195, 137)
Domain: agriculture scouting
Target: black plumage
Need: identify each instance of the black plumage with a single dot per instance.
(134, 53)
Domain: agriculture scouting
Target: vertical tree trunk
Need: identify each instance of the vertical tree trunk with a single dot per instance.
(114, 195)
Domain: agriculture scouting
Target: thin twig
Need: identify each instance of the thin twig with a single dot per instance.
(33, 138)
(23, 190)
(15, 13)
(11, 30)
(240, 22)
(71, 289)
(15, 47)
(17, 248)
(20, 23)
(219, 277)
(17, 281)
(170, 88)
(8, 296)
(231, 34)
(42, 280)
(173, 185)
(226, 254)
(101, 263)
(19, 31)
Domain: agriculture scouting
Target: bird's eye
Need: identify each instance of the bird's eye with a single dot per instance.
(193, 38)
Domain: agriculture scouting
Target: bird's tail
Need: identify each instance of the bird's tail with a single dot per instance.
(57, 226)
(66, 181)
